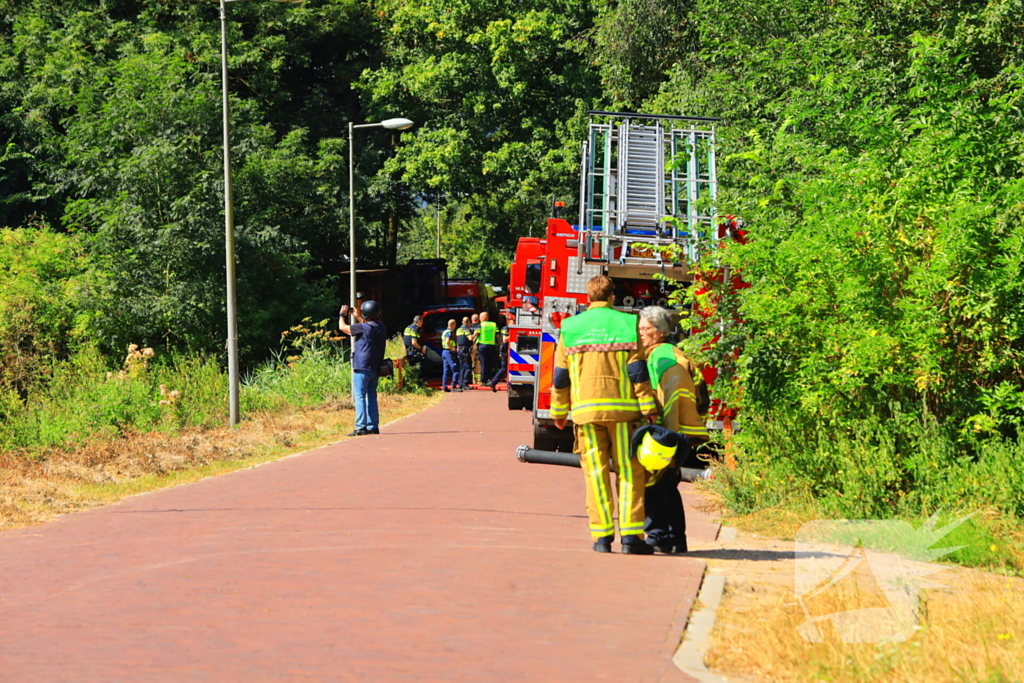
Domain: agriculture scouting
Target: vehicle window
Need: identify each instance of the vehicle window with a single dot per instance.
(436, 323)
(533, 278)
(528, 344)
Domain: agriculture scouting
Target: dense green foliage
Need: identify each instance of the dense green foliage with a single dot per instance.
(873, 148)
(875, 152)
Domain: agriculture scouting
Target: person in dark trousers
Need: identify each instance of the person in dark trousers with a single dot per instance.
(449, 358)
(413, 347)
(368, 339)
(474, 325)
(503, 358)
(676, 394)
(487, 347)
(464, 337)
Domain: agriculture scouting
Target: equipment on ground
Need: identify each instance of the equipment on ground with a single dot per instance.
(531, 455)
(655, 447)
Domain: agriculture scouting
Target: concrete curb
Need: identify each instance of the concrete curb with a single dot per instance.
(689, 658)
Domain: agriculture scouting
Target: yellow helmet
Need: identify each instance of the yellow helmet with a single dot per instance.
(653, 454)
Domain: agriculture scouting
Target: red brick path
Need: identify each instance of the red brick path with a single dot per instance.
(425, 554)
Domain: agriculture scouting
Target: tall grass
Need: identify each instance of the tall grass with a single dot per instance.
(89, 396)
(903, 467)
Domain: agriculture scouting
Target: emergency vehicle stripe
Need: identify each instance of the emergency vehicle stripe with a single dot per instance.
(522, 358)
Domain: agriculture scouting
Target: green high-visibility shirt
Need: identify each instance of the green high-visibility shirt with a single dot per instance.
(488, 333)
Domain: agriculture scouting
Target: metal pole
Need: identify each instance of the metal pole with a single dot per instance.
(439, 227)
(351, 249)
(229, 230)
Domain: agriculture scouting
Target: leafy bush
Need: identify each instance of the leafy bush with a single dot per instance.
(41, 273)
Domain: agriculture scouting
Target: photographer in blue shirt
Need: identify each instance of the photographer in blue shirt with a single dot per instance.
(368, 339)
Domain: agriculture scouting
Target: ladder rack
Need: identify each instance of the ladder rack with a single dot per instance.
(647, 183)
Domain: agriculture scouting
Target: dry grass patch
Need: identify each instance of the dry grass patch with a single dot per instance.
(35, 490)
(970, 630)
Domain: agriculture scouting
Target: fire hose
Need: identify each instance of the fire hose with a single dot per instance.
(532, 455)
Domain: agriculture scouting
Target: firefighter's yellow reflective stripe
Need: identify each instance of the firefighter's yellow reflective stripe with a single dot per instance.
(607, 414)
(627, 527)
(611, 402)
(648, 406)
(675, 396)
(590, 446)
(693, 431)
(625, 473)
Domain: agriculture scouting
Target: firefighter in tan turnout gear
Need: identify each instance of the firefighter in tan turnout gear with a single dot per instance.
(601, 375)
(681, 396)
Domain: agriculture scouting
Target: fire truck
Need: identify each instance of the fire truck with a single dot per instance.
(646, 213)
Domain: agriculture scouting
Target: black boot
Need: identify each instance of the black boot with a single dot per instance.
(635, 545)
(603, 544)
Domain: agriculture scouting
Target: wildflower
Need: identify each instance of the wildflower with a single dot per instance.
(1004, 636)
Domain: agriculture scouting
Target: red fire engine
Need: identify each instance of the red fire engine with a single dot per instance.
(647, 196)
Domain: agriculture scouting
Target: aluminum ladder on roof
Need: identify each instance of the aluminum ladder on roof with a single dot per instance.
(641, 176)
(648, 179)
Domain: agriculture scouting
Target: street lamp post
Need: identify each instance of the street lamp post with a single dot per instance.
(392, 124)
(229, 221)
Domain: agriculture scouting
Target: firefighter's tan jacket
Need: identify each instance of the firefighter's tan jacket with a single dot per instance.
(604, 379)
(676, 392)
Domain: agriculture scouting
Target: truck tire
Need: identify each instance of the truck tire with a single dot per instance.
(552, 439)
(514, 402)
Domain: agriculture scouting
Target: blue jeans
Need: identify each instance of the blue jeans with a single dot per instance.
(364, 393)
(451, 369)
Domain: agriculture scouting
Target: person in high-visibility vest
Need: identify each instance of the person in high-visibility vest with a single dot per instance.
(411, 337)
(502, 372)
(464, 341)
(676, 394)
(449, 349)
(474, 325)
(601, 376)
(486, 347)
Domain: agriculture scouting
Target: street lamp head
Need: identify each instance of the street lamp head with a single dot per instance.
(397, 124)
